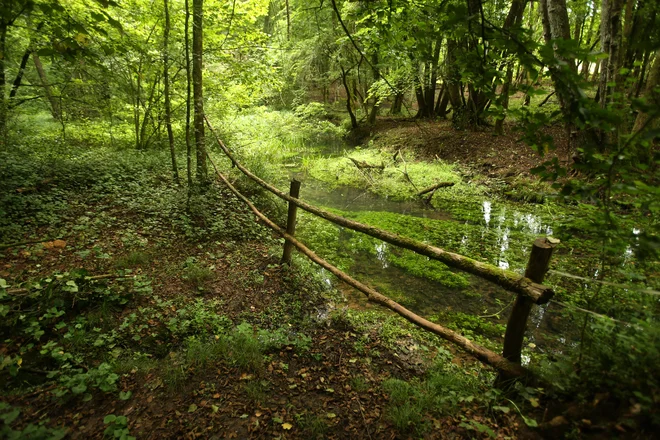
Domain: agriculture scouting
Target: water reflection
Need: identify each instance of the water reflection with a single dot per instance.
(381, 254)
(486, 209)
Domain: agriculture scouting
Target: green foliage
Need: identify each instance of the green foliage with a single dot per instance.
(195, 274)
(117, 427)
(9, 415)
(245, 350)
(133, 259)
(201, 354)
(443, 391)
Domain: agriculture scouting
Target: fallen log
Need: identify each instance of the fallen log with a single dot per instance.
(364, 165)
(483, 354)
(511, 281)
(434, 187)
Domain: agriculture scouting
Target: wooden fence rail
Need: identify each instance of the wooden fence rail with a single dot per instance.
(511, 281)
(529, 288)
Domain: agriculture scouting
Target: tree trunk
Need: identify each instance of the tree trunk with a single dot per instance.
(374, 109)
(54, 104)
(354, 123)
(453, 77)
(556, 16)
(649, 94)
(397, 104)
(198, 11)
(166, 83)
(443, 101)
(513, 19)
(431, 87)
(422, 111)
(605, 39)
(3, 80)
(545, 20)
(188, 97)
(590, 32)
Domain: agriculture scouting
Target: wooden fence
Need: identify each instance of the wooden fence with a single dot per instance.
(528, 288)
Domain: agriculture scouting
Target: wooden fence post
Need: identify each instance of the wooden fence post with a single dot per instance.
(537, 266)
(294, 191)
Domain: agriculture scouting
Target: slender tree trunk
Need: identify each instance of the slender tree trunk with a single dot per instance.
(545, 20)
(188, 97)
(198, 11)
(627, 31)
(3, 80)
(288, 21)
(19, 75)
(397, 104)
(421, 102)
(590, 32)
(166, 83)
(514, 19)
(605, 38)
(649, 94)
(642, 73)
(354, 123)
(376, 73)
(54, 103)
(556, 16)
(453, 76)
(430, 91)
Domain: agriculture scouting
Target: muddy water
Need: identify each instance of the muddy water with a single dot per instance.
(505, 231)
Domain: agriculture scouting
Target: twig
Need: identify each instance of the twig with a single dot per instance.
(23, 243)
(405, 171)
(364, 419)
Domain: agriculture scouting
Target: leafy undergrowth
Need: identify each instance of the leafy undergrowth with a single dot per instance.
(130, 309)
(136, 315)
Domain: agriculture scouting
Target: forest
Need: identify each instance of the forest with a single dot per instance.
(341, 219)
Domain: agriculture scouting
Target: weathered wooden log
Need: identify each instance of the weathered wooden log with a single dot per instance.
(511, 281)
(434, 187)
(483, 354)
(364, 165)
(537, 267)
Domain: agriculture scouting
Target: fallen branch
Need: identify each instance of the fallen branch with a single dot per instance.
(511, 281)
(366, 176)
(23, 243)
(483, 354)
(434, 187)
(364, 165)
(405, 169)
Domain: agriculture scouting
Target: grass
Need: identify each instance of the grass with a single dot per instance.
(172, 373)
(197, 275)
(359, 384)
(201, 354)
(256, 390)
(140, 365)
(314, 426)
(246, 351)
(391, 181)
(133, 259)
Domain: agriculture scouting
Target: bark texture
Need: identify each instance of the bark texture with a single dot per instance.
(166, 91)
(200, 146)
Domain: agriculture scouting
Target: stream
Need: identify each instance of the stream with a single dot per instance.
(505, 231)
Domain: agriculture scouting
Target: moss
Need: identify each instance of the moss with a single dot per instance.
(422, 266)
(390, 181)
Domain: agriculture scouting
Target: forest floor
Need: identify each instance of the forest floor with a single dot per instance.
(184, 335)
(492, 155)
